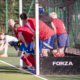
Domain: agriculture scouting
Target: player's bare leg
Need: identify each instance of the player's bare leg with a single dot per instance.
(61, 51)
(44, 52)
(56, 53)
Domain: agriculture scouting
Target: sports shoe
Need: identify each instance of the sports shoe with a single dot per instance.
(62, 54)
(34, 71)
(31, 68)
(4, 55)
(56, 55)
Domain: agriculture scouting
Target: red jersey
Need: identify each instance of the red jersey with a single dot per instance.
(44, 31)
(27, 34)
(60, 27)
(16, 34)
(30, 24)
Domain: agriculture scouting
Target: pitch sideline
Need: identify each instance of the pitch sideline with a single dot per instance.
(23, 70)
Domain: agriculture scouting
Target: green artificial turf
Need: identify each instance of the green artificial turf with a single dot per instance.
(10, 73)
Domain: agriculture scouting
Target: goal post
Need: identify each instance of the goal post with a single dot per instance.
(20, 21)
(37, 35)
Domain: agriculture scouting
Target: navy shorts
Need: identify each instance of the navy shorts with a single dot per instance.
(14, 43)
(63, 40)
(48, 43)
(55, 45)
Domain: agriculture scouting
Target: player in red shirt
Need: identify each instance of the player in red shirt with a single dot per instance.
(22, 49)
(25, 34)
(46, 34)
(62, 36)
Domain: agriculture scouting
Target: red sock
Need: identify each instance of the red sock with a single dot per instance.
(62, 54)
(31, 59)
(56, 54)
(25, 60)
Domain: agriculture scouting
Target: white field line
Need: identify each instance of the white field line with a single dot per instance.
(23, 70)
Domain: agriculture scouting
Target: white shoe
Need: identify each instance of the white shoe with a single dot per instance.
(4, 55)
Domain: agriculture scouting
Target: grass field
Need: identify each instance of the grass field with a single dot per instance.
(7, 72)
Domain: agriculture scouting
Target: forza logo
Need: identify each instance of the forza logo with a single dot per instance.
(62, 63)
